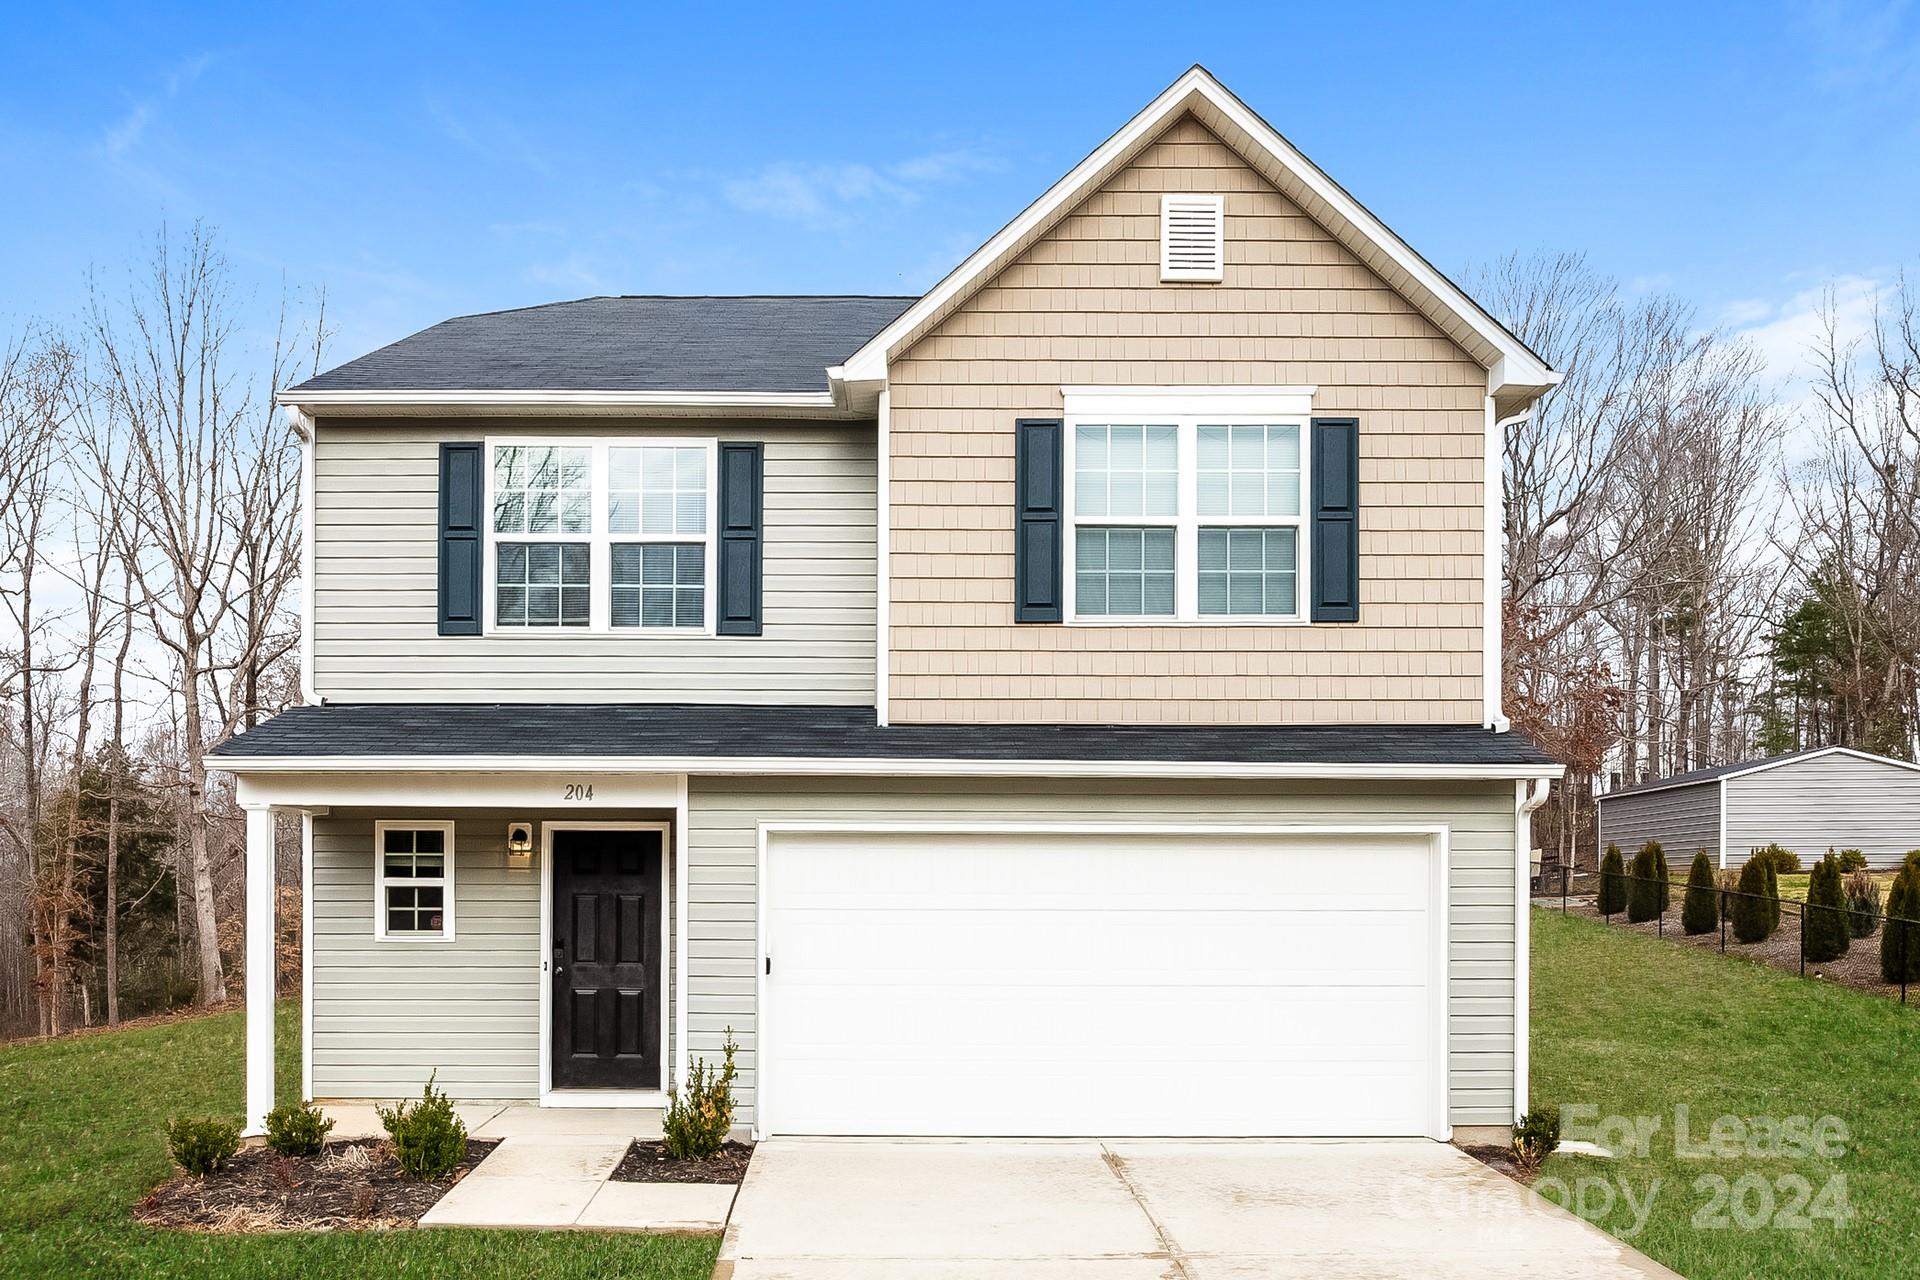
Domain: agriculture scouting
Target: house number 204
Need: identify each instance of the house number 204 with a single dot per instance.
(578, 791)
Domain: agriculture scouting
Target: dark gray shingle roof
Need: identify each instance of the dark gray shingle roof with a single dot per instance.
(652, 729)
(627, 344)
(1707, 774)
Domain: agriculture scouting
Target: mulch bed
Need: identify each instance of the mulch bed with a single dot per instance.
(350, 1186)
(1858, 969)
(1500, 1160)
(649, 1162)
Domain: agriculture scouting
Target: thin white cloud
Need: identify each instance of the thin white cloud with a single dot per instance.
(1788, 332)
(835, 195)
(124, 134)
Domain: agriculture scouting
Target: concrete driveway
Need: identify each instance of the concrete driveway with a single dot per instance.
(863, 1209)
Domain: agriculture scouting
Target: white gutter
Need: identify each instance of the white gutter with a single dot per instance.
(876, 766)
(482, 401)
(1527, 798)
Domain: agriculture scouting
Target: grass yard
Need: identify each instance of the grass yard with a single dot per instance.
(80, 1142)
(1793, 888)
(1635, 1026)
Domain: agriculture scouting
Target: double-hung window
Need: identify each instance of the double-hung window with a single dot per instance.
(413, 881)
(601, 535)
(1187, 505)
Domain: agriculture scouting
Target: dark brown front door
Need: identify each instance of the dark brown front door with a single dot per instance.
(606, 959)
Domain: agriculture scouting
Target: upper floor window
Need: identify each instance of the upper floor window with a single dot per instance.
(1187, 506)
(601, 535)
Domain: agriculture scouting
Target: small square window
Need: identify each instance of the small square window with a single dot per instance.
(413, 881)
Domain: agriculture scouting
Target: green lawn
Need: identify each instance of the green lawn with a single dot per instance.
(1793, 888)
(1635, 1026)
(80, 1142)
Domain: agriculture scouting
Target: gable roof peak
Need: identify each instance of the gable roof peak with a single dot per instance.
(1516, 374)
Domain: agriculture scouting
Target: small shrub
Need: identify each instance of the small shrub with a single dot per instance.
(297, 1129)
(1785, 862)
(1772, 873)
(1851, 860)
(1646, 884)
(1613, 883)
(698, 1121)
(1536, 1137)
(1900, 941)
(429, 1140)
(202, 1146)
(1863, 904)
(1700, 909)
(1824, 933)
(1751, 909)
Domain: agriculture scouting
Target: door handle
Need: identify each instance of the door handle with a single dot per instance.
(559, 969)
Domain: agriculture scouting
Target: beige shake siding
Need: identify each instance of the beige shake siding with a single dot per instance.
(1085, 306)
(376, 541)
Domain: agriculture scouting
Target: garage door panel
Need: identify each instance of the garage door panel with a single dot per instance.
(951, 948)
(1244, 984)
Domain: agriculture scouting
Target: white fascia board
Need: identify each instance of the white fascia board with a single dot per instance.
(870, 766)
(1516, 368)
(483, 402)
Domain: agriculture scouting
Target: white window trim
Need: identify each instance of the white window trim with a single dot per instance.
(380, 880)
(599, 540)
(1185, 408)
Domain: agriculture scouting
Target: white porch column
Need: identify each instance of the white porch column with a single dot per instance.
(260, 967)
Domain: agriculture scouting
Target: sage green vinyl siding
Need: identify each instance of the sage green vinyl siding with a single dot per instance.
(375, 634)
(1826, 802)
(725, 813)
(1684, 820)
(386, 1013)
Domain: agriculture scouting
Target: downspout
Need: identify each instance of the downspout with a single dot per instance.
(1492, 523)
(1527, 796)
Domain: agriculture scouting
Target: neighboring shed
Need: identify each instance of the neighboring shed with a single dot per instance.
(1807, 801)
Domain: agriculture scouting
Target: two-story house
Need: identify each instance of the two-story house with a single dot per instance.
(1064, 703)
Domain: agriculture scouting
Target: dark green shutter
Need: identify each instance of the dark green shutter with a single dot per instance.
(462, 491)
(1039, 492)
(741, 481)
(1336, 520)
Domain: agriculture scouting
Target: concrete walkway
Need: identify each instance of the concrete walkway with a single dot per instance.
(1138, 1210)
(551, 1170)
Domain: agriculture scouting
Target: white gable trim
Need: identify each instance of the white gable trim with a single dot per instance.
(1517, 374)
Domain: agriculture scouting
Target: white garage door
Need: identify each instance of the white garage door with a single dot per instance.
(1118, 984)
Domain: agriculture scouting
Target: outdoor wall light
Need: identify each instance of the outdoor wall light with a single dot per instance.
(520, 844)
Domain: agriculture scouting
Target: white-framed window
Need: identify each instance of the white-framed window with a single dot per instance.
(601, 535)
(413, 881)
(1187, 505)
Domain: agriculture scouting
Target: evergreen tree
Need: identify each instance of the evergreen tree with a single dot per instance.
(1644, 885)
(1613, 884)
(1752, 912)
(1771, 869)
(1900, 941)
(1700, 909)
(1823, 920)
(1662, 873)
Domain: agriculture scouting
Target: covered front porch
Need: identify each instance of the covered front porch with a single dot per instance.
(515, 936)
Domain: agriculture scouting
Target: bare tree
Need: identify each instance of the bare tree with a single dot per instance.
(214, 517)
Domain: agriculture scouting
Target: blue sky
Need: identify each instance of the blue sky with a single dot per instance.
(421, 161)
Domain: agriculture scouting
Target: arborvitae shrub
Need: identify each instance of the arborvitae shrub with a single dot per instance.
(1851, 860)
(1824, 921)
(1751, 909)
(1772, 871)
(1863, 904)
(1700, 909)
(1613, 883)
(1899, 941)
(1645, 886)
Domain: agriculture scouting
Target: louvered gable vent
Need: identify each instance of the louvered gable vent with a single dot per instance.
(1192, 237)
